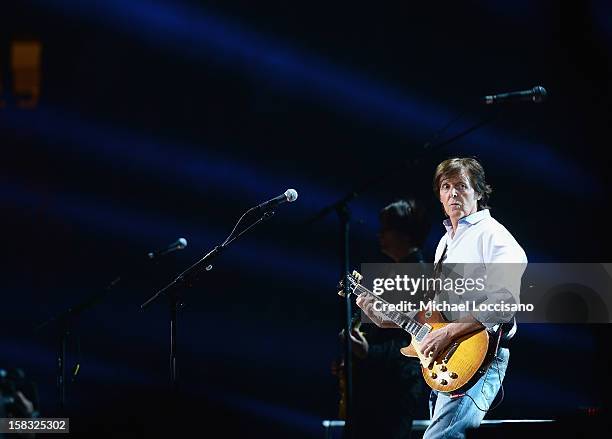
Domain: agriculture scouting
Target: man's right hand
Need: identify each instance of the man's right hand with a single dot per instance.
(366, 303)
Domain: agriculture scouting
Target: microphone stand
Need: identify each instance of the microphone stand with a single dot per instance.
(185, 280)
(341, 207)
(64, 322)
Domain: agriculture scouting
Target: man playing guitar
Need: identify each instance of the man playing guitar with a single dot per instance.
(472, 237)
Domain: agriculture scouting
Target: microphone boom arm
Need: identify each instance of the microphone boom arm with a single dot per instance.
(191, 272)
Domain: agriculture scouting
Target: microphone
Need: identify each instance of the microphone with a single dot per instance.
(290, 196)
(536, 95)
(180, 244)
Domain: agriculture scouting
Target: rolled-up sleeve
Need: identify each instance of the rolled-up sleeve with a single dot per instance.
(504, 264)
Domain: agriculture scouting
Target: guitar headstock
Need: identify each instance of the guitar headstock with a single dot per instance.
(354, 279)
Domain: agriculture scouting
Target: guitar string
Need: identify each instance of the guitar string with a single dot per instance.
(367, 291)
(414, 323)
(408, 316)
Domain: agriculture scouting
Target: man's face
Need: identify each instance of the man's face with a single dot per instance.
(458, 197)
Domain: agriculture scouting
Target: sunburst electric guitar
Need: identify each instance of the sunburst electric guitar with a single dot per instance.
(458, 365)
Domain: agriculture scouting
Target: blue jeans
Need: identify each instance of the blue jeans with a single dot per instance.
(450, 417)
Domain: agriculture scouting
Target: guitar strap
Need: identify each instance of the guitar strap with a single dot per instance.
(437, 271)
(438, 264)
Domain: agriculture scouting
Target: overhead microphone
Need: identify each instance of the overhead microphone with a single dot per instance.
(290, 195)
(536, 95)
(180, 244)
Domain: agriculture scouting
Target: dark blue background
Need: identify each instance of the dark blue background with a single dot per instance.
(160, 120)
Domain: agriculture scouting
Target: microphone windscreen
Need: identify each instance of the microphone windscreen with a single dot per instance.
(539, 94)
(291, 195)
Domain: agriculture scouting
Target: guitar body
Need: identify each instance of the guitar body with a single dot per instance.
(458, 364)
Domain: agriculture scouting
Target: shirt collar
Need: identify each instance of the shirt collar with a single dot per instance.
(472, 219)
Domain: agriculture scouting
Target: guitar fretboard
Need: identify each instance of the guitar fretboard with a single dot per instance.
(405, 321)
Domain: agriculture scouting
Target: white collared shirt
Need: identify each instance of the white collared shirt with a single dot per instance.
(482, 240)
(479, 239)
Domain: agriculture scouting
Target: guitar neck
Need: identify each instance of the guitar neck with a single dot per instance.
(407, 322)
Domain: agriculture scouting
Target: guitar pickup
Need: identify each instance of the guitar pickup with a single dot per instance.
(450, 352)
(425, 329)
